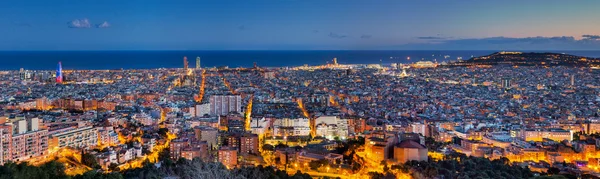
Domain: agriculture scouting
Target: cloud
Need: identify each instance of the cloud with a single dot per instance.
(80, 23)
(315, 31)
(242, 27)
(588, 42)
(591, 37)
(432, 38)
(365, 36)
(337, 36)
(103, 25)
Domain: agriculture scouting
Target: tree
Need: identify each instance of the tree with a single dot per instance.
(314, 165)
(281, 146)
(268, 147)
(90, 161)
(113, 167)
(553, 171)
(376, 175)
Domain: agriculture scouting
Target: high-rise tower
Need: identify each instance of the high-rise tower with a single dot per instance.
(506, 83)
(185, 63)
(59, 74)
(335, 61)
(573, 80)
(197, 62)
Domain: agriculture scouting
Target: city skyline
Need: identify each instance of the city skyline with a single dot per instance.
(300, 25)
(342, 89)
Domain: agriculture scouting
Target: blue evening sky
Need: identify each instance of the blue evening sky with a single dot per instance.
(299, 24)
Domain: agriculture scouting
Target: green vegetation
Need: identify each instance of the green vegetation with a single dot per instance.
(199, 169)
(460, 166)
(51, 170)
(184, 169)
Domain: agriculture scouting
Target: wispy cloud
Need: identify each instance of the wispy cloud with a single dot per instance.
(80, 23)
(365, 36)
(432, 38)
(242, 27)
(315, 31)
(337, 36)
(591, 37)
(104, 24)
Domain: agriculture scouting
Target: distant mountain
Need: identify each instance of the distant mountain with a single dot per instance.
(529, 59)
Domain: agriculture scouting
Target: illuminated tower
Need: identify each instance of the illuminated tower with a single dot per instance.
(59, 74)
(573, 80)
(335, 61)
(197, 62)
(404, 74)
(185, 63)
(506, 83)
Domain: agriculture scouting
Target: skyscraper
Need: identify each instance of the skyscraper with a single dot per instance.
(59, 74)
(572, 80)
(185, 63)
(197, 62)
(506, 83)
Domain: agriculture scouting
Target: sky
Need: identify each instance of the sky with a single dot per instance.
(299, 25)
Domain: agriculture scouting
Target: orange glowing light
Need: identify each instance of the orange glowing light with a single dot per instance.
(249, 112)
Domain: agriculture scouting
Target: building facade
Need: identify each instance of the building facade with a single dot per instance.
(224, 104)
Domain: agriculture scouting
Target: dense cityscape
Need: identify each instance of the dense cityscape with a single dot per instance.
(403, 120)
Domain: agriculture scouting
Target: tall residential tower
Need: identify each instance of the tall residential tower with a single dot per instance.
(185, 63)
(197, 62)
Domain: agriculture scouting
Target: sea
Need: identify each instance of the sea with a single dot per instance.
(100, 60)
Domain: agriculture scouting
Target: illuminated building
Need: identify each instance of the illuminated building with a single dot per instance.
(22, 139)
(25, 75)
(331, 126)
(379, 146)
(197, 62)
(335, 61)
(148, 142)
(42, 103)
(538, 135)
(84, 137)
(506, 83)
(404, 74)
(307, 157)
(224, 104)
(471, 145)
(197, 149)
(202, 109)
(108, 136)
(5, 143)
(591, 127)
(249, 144)
(235, 123)
(233, 140)
(291, 127)
(145, 119)
(424, 64)
(185, 63)
(176, 146)
(59, 73)
(228, 156)
(260, 126)
(207, 134)
(423, 129)
(410, 150)
(510, 53)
